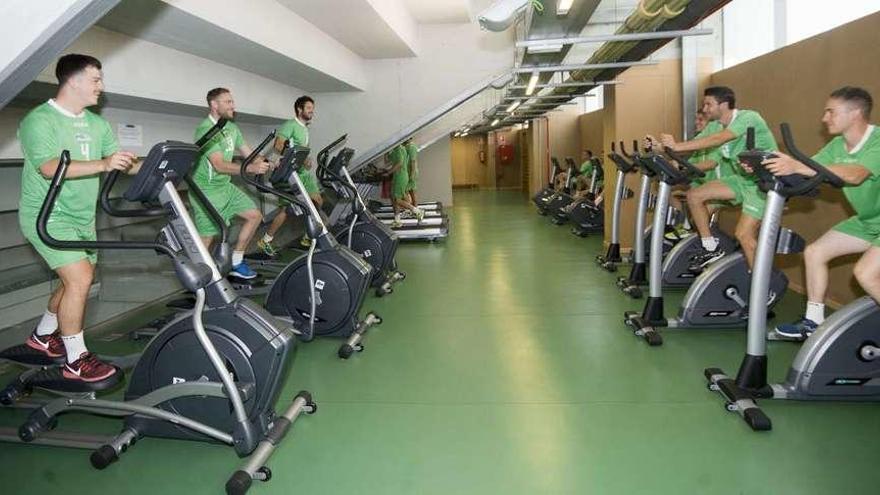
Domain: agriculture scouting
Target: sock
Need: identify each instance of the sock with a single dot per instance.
(397, 218)
(237, 257)
(48, 324)
(268, 238)
(815, 312)
(75, 345)
(709, 243)
(687, 224)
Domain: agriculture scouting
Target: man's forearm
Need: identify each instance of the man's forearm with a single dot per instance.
(76, 169)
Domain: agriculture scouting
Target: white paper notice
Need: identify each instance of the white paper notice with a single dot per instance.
(130, 135)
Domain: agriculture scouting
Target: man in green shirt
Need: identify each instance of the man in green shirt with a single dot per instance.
(854, 156)
(296, 131)
(719, 104)
(412, 153)
(64, 123)
(399, 160)
(213, 173)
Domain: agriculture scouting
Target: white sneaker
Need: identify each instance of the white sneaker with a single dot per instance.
(396, 223)
(420, 214)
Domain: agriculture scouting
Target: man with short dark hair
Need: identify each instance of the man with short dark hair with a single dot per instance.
(295, 132)
(213, 173)
(736, 186)
(65, 123)
(854, 156)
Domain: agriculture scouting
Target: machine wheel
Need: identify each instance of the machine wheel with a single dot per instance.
(239, 483)
(11, 394)
(345, 351)
(729, 406)
(609, 266)
(382, 292)
(634, 292)
(305, 394)
(654, 339)
(712, 387)
(103, 457)
(265, 474)
(29, 431)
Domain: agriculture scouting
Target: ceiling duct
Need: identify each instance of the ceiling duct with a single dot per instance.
(649, 16)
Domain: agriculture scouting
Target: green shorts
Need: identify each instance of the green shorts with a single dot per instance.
(399, 185)
(868, 230)
(229, 201)
(65, 231)
(747, 193)
(309, 182)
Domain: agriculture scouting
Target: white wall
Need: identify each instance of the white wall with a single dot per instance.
(142, 69)
(286, 33)
(435, 172)
(452, 58)
(156, 127)
(27, 20)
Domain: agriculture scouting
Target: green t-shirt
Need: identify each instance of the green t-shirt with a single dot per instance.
(764, 140)
(298, 134)
(722, 168)
(44, 133)
(587, 168)
(864, 198)
(226, 142)
(294, 131)
(412, 154)
(399, 155)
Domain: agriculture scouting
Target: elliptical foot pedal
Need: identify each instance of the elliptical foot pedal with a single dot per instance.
(53, 379)
(24, 354)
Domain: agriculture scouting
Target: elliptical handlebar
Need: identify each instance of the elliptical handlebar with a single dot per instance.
(325, 152)
(112, 177)
(49, 205)
(259, 184)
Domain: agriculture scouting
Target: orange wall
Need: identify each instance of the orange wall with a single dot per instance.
(791, 85)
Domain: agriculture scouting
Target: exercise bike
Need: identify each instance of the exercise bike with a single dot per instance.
(611, 258)
(719, 296)
(840, 361)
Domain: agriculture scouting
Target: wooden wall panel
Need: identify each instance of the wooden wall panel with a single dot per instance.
(791, 85)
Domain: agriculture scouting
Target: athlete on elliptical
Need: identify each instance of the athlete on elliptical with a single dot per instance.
(212, 174)
(65, 123)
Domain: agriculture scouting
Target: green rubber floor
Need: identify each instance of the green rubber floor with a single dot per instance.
(503, 367)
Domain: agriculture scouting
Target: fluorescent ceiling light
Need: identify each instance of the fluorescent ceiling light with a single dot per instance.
(546, 48)
(563, 7)
(495, 122)
(532, 83)
(513, 106)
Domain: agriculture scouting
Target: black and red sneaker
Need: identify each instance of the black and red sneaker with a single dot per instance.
(50, 345)
(88, 368)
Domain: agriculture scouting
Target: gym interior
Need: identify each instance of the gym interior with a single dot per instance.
(439, 246)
